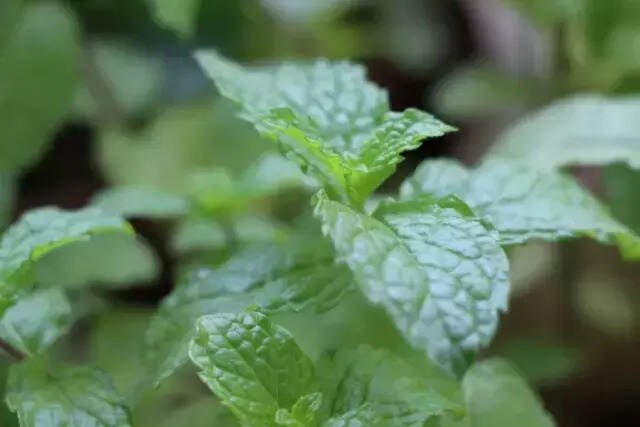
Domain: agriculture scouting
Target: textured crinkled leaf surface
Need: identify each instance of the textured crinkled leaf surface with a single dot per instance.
(253, 365)
(141, 202)
(44, 38)
(496, 396)
(378, 385)
(40, 231)
(287, 277)
(36, 321)
(433, 266)
(327, 117)
(524, 203)
(68, 396)
(584, 130)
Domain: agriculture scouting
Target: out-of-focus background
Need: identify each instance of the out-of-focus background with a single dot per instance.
(139, 112)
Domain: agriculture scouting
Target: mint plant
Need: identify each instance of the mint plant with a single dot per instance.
(431, 261)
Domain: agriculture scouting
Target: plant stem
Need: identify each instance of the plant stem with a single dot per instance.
(10, 351)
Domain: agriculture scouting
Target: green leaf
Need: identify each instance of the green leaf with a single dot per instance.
(549, 12)
(254, 366)
(583, 130)
(66, 396)
(112, 260)
(198, 234)
(476, 91)
(302, 413)
(131, 77)
(289, 277)
(544, 360)
(45, 37)
(9, 16)
(621, 185)
(40, 231)
(141, 202)
(497, 396)
(178, 141)
(177, 15)
(524, 203)
(327, 117)
(36, 321)
(378, 385)
(433, 266)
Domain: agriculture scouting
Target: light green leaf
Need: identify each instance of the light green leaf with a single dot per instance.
(364, 416)
(289, 277)
(178, 141)
(36, 321)
(497, 396)
(198, 234)
(254, 366)
(66, 396)
(177, 15)
(365, 381)
(524, 203)
(40, 231)
(327, 117)
(583, 130)
(45, 37)
(141, 202)
(302, 413)
(131, 77)
(433, 266)
(112, 260)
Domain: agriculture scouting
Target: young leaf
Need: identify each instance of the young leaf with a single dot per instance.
(433, 266)
(497, 396)
(524, 203)
(302, 413)
(67, 396)
(40, 231)
(286, 277)
(177, 15)
(45, 37)
(377, 385)
(327, 117)
(253, 365)
(36, 321)
(584, 130)
(140, 202)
